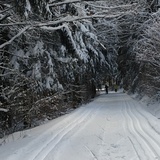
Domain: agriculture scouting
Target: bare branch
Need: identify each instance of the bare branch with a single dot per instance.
(4, 17)
(13, 38)
(16, 23)
(6, 10)
(7, 68)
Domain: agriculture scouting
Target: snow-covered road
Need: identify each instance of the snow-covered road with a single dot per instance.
(112, 127)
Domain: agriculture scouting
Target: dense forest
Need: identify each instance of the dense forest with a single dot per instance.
(54, 53)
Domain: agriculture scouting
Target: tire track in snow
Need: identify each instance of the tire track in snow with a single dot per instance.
(146, 140)
(53, 143)
(133, 133)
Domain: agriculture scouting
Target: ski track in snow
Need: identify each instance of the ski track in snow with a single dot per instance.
(112, 127)
(42, 152)
(58, 137)
(61, 135)
(142, 132)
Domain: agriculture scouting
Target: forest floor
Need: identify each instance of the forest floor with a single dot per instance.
(111, 127)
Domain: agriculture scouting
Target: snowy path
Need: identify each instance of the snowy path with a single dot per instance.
(112, 127)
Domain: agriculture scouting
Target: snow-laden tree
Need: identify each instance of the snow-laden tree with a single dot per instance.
(130, 36)
(51, 59)
(147, 50)
(53, 53)
(118, 32)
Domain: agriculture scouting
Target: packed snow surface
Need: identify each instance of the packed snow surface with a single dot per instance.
(112, 127)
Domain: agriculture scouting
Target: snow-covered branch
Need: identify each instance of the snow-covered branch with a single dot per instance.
(13, 38)
(62, 20)
(127, 6)
(74, 18)
(52, 28)
(68, 2)
(65, 2)
(4, 17)
(30, 27)
(5, 10)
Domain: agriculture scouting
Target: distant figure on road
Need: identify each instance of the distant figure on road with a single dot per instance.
(99, 87)
(106, 87)
(115, 87)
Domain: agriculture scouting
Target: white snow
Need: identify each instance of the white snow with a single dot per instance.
(3, 109)
(151, 104)
(27, 8)
(53, 28)
(36, 70)
(112, 127)
(38, 50)
(49, 82)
